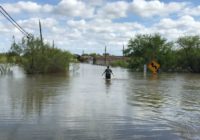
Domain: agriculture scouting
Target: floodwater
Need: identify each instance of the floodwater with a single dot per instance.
(82, 105)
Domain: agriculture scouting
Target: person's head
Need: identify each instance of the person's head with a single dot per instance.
(107, 67)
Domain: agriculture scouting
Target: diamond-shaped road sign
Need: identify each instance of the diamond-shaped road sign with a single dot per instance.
(154, 66)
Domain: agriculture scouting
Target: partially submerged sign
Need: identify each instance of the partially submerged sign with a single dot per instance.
(154, 66)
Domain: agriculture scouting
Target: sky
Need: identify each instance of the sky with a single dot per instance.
(89, 25)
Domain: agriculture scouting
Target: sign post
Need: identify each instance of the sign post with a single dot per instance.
(145, 69)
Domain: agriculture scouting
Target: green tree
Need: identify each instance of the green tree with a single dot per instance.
(13, 56)
(16, 49)
(144, 48)
(189, 54)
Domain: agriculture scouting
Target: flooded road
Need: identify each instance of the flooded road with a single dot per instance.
(82, 105)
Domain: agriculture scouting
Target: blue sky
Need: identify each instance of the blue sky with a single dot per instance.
(89, 25)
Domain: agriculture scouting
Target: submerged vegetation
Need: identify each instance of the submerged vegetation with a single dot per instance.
(3, 58)
(182, 55)
(38, 57)
(5, 69)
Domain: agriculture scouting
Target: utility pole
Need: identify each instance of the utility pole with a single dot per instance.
(41, 39)
(123, 51)
(13, 39)
(105, 53)
(53, 44)
(40, 27)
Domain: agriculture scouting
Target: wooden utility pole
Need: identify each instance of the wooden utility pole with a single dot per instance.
(40, 27)
(41, 38)
(105, 53)
(53, 45)
(13, 39)
(123, 51)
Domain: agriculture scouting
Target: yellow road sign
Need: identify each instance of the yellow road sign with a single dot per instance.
(154, 66)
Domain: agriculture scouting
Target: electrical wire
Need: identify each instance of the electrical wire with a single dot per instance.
(13, 19)
(10, 19)
(13, 23)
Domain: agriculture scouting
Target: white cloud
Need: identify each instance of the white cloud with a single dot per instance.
(104, 27)
(22, 6)
(172, 29)
(94, 2)
(32, 24)
(3, 28)
(81, 24)
(183, 22)
(103, 32)
(114, 10)
(73, 25)
(193, 11)
(155, 7)
(74, 8)
(7, 30)
(47, 8)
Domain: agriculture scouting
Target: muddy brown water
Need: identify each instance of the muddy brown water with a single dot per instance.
(82, 105)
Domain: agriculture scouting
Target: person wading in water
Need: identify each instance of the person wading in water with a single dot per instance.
(107, 73)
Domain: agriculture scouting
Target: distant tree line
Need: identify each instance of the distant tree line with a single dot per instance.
(182, 55)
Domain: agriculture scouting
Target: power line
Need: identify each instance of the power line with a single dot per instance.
(13, 20)
(13, 23)
(9, 18)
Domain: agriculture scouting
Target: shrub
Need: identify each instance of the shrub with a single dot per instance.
(40, 58)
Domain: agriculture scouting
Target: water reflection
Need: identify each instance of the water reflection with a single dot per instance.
(146, 93)
(108, 84)
(31, 94)
(168, 101)
(86, 106)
